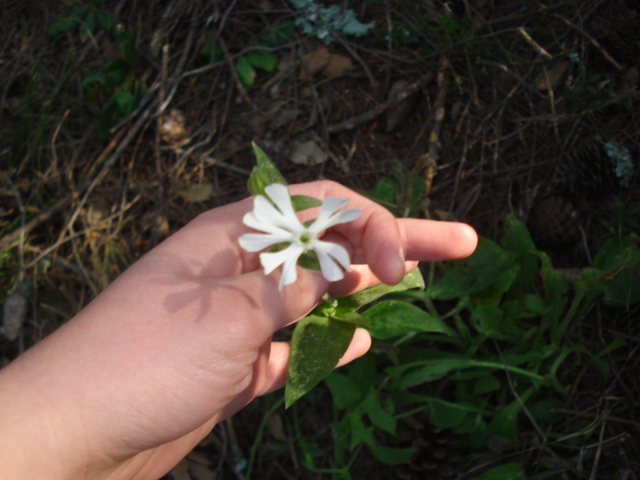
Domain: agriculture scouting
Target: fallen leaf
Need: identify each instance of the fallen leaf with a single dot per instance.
(173, 128)
(198, 193)
(396, 114)
(553, 76)
(443, 215)
(276, 428)
(307, 153)
(338, 66)
(629, 81)
(14, 312)
(313, 63)
(321, 61)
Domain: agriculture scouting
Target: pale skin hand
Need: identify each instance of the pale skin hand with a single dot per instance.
(182, 340)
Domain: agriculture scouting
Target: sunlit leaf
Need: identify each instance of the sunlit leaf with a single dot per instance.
(391, 318)
(316, 346)
(412, 279)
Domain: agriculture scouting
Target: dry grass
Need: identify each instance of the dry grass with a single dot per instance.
(76, 209)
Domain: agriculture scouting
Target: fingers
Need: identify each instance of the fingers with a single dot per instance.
(431, 240)
(276, 372)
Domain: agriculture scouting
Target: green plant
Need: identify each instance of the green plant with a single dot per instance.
(259, 56)
(312, 356)
(505, 355)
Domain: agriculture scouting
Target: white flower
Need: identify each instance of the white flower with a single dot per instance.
(280, 224)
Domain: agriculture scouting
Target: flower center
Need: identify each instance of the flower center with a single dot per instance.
(306, 239)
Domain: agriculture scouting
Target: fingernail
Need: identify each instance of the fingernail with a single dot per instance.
(401, 261)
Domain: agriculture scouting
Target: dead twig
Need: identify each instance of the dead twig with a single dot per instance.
(366, 117)
(595, 42)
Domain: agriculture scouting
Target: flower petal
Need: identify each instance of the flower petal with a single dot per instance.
(266, 213)
(282, 199)
(289, 272)
(330, 205)
(250, 220)
(326, 217)
(272, 260)
(334, 250)
(330, 269)
(254, 242)
(344, 216)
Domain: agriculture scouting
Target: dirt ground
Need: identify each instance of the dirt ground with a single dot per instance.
(495, 106)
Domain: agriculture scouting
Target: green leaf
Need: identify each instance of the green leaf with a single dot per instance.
(447, 414)
(276, 34)
(266, 61)
(309, 260)
(389, 455)
(246, 72)
(510, 471)
(264, 174)
(385, 192)
(211, 51)
(126, 101)
(62, 25)
(344, 390)
(379, 416)
(317, 345)
(92, 77)
(302, 202)
(516, 239)
(89, 24)
(391, 318)
(107, 21)
(413, 279)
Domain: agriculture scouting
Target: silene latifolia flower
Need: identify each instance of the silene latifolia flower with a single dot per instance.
(280, 224)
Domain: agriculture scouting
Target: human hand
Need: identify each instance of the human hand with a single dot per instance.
(182, 340)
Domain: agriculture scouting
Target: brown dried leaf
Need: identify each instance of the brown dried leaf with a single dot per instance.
(276, 428)
(629, 81)
(313, 63)
(400, 111)
(307, 153)
(198, 193)
(554, 75)
(173, 128)
(338, 66)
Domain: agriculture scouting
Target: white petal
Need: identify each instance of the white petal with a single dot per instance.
(265, 213)
(334, 250)
(271, 260)
(280, 196)
(254, 242)
(344, 216)
(326, 218)
(250, 220)
(330, 205)
(289, 271)
(330, 269)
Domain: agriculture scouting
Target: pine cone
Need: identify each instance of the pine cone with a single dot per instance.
(587, 171)
(554, 222)
(437, 451)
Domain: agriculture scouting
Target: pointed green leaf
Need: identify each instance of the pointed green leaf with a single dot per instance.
(266, 166)
(390, 455)
(391, 318)
(317, 345)
(510, 471)
(302, 202)
(246, 72)
(413, 279)
(266, 61)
